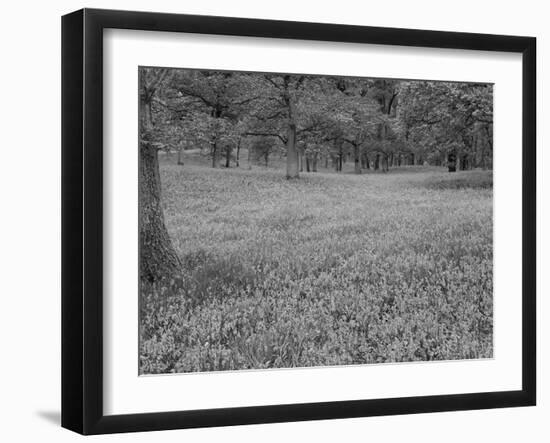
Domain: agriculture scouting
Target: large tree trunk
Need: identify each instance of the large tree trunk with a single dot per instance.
(238, 153)
(180, 156)
(314, 162)
(292, 166)
(377, 162)
(291, 153)
(157, 257)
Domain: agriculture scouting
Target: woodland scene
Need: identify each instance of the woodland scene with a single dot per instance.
(297, 220)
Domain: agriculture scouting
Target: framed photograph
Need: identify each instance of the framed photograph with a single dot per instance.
(269, 221)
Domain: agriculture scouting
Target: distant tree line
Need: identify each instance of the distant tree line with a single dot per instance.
(377, 123)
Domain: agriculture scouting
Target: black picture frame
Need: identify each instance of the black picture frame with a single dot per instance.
(82, 218)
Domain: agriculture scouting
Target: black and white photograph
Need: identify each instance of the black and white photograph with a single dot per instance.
(297, 220)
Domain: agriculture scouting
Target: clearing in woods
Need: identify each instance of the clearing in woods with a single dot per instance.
(330, 269)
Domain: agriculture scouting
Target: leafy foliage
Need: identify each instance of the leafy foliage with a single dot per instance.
(392, 121)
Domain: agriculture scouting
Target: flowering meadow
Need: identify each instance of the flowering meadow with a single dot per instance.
(329, 269)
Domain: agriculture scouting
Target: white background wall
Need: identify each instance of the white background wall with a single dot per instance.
(30, 219)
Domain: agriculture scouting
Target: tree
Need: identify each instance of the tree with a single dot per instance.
(448, 120)
(360, 129)
(158, 258)
(289, 109)
(275, 115)
(262, 147)
(217, 98)
(373, 122)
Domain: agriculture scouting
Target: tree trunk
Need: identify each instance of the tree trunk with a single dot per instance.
(215, 154)
(326, 161)
(291, 153)
(464, 162)
(227, 156)
(238, 153)
(482, 161)
(451, 162)
(385, 163)
(377, 162)
(158, 258)
(180, 156)
(487, 149)
(314, 162)
(357, 159)
(307, 164)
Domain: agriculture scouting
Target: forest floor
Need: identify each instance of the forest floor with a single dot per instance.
(330, 269)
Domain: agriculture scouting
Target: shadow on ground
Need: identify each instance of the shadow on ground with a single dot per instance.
(54, 417)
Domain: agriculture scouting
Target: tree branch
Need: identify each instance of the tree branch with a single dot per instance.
(266, 134)
(194, 94)
(270, 80)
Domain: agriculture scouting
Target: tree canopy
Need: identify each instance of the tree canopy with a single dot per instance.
(380, 123)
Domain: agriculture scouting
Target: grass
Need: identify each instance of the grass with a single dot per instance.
(461, 180)
(330, 269)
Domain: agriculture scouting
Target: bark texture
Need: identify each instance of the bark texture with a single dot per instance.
(157, 257)
(291, 153)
